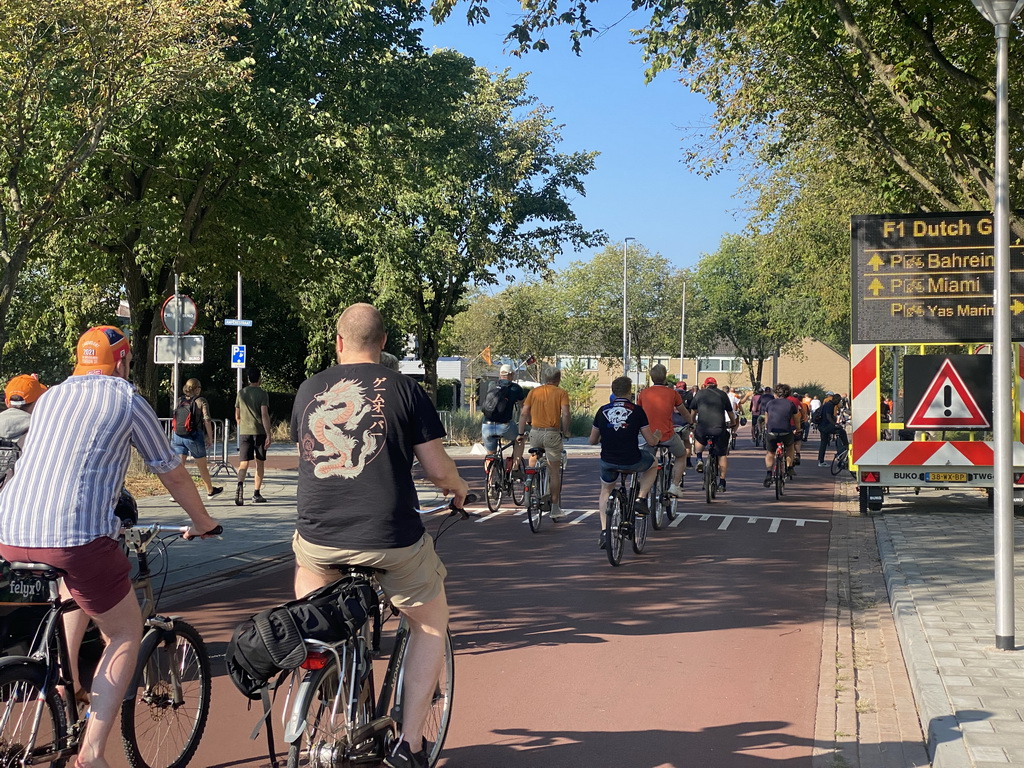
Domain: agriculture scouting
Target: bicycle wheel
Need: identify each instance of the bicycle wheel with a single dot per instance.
(780, 477)
(838, 462)
(533, 510)
(20, 700)
(656, 500)
(614, 530)
(495, 485)
(639, 538)
(710, 482)
(714, 476)
(161, 725)
(439, 716)
(323, 742)
(518, 483)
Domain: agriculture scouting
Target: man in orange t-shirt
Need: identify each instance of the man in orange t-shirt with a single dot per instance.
(659, 402)
(546, 410)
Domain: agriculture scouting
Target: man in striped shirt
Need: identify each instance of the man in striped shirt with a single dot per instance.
(59, 509)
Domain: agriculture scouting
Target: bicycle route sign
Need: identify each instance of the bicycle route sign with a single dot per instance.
(929, 278)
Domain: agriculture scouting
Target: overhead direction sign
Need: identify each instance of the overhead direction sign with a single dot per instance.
(920, 278)
(948, 391)
(947, 404)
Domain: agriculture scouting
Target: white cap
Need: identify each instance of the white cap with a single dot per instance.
(506, 368)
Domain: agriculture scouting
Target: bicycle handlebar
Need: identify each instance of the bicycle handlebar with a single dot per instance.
(450, 505)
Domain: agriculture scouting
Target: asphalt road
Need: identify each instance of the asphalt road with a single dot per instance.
(703, 651)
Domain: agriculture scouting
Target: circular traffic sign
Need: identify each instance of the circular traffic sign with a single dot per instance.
(179, 315)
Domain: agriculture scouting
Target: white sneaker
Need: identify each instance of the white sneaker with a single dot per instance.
(675, 490)
(824, 464)
(557, 513)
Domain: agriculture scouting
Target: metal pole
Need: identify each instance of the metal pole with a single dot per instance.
(625, 333)
(238, 371)
(177, 346)
(682, 333)
(1002, 358)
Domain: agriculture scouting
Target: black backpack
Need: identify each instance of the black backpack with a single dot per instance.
(817, 415)
(185, 420)
(270, 642)
(498, 404)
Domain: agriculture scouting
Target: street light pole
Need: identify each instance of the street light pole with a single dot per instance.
(682, 333)
(1000, 13)
(625, 332)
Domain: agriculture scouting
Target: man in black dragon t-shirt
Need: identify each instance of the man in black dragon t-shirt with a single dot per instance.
(358, 426)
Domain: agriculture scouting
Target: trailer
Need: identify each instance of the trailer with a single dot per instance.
(950, 403)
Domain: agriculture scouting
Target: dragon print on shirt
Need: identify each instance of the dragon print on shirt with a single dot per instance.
(347, 429)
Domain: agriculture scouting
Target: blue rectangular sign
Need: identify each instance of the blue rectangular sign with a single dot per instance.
(239, 323)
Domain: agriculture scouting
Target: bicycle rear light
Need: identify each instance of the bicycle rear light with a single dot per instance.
(531, 470)
(315, 660)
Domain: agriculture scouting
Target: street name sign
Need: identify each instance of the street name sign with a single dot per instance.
(237, 322)
(928, 278)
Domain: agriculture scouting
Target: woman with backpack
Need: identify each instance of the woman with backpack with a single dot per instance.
(192, 432)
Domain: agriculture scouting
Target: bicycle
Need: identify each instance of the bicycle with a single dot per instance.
(711, 471)
(758, 432)
(503, 479)
(660, 502)
(622, 520)
(840, 460)
(10, 452)
(164, 711)
(538, 499)
(337, 716)
(779, 469)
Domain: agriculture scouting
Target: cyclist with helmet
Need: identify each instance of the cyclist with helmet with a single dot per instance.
(715, 419)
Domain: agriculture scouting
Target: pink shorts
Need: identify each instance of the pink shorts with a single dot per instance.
(97, 572)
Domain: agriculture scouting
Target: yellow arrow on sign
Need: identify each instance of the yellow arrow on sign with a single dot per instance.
(875, 262)
(1016, 307)
(876, 286)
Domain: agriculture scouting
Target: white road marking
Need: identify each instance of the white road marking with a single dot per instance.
(774, 527)
(487, 517)
(725, 523)
(583, 517)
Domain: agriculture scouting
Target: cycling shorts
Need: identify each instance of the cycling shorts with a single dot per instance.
(773, 439)
(720, 436)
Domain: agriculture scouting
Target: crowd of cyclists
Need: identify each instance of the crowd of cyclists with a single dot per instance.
(685, 419)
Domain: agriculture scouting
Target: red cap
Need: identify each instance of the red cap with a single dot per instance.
(710, 381)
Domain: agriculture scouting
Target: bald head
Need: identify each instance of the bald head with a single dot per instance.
(362, 326)
(361, 333)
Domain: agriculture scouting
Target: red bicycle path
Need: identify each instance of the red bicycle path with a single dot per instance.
(703, 651)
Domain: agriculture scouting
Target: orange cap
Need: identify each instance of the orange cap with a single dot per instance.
(23, 390)
(100, 349)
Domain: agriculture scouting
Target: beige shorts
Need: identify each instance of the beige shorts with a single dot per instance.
(675, 444)
(551, 441)
(412, 575)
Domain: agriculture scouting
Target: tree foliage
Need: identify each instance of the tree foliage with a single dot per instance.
(74, 73)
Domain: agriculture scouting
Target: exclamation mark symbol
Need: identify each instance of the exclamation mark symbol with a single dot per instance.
(947, 399)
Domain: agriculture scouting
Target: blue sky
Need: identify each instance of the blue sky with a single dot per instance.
(640, 188)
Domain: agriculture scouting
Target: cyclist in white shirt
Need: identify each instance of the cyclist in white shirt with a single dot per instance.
(58, 509)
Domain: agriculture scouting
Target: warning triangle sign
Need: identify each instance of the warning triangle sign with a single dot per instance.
(947, 403)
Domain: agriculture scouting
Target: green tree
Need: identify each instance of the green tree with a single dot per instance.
(478, 189)
(579, 385)
(744, 297)
(590, 294)
(73, 74)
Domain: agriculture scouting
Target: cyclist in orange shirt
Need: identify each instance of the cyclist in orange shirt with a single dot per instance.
(659, 402)
(546, 410)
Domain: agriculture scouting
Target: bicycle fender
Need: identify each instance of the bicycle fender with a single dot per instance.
(153, 637)
(36, 668)
(304, 697)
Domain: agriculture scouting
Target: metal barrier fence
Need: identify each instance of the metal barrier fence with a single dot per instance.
(217, 454)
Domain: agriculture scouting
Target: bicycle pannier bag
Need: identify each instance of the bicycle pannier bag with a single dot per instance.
(270, 641)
